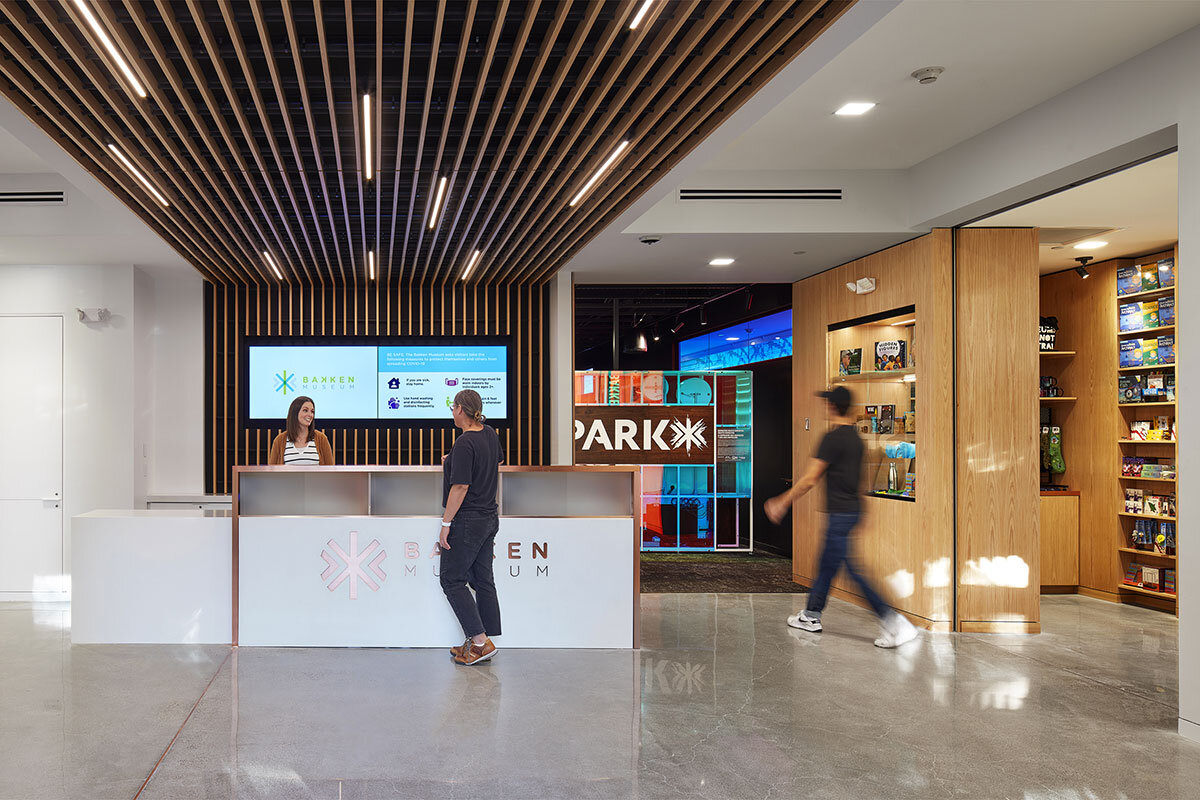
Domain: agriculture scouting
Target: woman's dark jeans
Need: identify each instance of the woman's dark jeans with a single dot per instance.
(469, 562)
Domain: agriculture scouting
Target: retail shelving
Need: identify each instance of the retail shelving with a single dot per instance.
(1139, 590)
(1146, 553)
(1140, 442)
(1141, 331)
(1159, 517)
(1152, 480)
(1058, 399)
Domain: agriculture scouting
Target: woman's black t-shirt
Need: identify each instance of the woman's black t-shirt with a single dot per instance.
(474, 460)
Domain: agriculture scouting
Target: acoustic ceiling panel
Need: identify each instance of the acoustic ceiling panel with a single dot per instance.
(253, 136)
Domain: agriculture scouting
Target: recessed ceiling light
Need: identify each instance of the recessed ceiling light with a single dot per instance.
(137, 173)
(113, 52)
(1091, 244)
(854, 109)
(471, 264)
(732, 339)
(369, 169)
(641, 14)
(720, 262)
(437, 203)
(608, 162)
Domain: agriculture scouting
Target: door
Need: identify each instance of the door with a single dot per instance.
(31, 413)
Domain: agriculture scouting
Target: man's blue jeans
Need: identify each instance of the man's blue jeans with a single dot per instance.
(836, 553)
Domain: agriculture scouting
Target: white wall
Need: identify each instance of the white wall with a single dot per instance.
(98, 378)
(1188, 341)
(562, 361)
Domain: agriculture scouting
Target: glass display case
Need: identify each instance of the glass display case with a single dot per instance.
(876, 359)
(686, 505)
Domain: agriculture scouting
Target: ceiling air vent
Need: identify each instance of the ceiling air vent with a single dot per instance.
(1061, 237)
(51, 198)
(760, 194)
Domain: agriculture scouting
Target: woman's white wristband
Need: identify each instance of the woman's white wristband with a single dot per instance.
(446, 524)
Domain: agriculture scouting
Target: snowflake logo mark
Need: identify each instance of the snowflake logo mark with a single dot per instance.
(689, 677)
(351, 565)
(688, 433)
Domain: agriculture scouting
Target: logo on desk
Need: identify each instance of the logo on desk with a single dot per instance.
(352, 565)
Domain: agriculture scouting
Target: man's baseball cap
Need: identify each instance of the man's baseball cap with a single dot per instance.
(838, 395)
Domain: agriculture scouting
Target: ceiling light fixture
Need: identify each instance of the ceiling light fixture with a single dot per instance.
(369, 170)
(135, 172)
(371, 265)
(656, 335)
(598, 173)
(271, 263)
(471, 264)
(1082, 268)
(640, 15)
(703, 316)
(854, 109)
(677, 327)
(1091, 244)
(441, 191)
(720, 262)
(113, 52)
(733, 338)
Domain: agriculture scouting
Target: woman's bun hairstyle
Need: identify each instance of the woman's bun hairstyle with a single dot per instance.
(471, 404)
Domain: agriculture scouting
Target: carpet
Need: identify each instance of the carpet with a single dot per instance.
(717, 572)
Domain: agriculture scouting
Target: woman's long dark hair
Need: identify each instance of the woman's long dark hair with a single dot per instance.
(293, 419)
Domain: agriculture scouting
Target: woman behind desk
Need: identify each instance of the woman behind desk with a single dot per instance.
(301, 444)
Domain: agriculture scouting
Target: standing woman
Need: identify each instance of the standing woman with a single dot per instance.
(470, 480)
(301, 444)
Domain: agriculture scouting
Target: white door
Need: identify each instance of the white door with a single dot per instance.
(31, 413)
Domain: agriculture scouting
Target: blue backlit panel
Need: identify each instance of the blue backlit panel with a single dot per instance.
(759, 339)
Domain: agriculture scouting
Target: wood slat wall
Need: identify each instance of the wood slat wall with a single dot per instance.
(232, 312)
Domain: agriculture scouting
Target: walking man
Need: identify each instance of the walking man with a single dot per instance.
(839, 458)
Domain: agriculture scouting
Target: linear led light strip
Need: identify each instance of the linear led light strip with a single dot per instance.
(273, 265)
(370, 166)
(113, 52)
(471, 264)
(135, 172)
(437, 204)
(598, 173)
(641, 14)
(371, 265)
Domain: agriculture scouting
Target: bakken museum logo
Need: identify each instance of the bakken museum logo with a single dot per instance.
(288, 381)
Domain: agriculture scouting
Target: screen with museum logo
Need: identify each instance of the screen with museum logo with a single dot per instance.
(373, 382)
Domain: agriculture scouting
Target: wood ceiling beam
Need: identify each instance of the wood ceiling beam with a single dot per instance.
(331, 103)
(408, 29)
(357, 123)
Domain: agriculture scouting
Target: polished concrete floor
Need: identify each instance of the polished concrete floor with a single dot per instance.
(723, 701)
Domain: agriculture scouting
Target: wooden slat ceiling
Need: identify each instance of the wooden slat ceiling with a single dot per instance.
(253, 124)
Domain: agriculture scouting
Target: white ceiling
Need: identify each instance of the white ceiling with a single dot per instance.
(1142, 201)
(16, 158)
(1001, 58)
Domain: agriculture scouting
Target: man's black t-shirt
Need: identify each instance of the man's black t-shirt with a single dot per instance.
(842, 450)
(474, 460)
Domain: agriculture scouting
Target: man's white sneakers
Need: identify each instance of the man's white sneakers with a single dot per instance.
(897, 630)
(804, 622)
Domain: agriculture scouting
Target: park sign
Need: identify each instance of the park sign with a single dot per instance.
(645, 434)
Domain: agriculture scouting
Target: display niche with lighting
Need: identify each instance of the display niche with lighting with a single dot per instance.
(876, 359)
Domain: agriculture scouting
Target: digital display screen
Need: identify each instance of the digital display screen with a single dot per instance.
(375, 382)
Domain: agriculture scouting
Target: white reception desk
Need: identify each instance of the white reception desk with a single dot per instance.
(347, 557)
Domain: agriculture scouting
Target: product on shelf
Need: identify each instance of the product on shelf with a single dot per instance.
(887, 418)
(1139, 430)
(891, 355)
(1133, 575)
(1130, 353)
(1131, 317)
(1166, 273)
(1129, 388)
(910, 422)
(871, 419)
(1133, 501)
(1166, 311)
(1150, 314)
(1151, 578)
(1129, 280)
(1171, 396)
(1166, 350)
(1057, 463)
(1149, 277)
(1155, 388)
(1133, 467)
(1050, 387)
(1169, 580)
(1150, 352)
(850, 362)
(1047, 333)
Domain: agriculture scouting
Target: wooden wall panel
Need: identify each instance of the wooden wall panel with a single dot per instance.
(996, 274)
(1059, 544)
(907, 547)
(232, 312)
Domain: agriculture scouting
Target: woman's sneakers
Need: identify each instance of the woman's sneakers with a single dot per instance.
(805, 622)
(897, 630)
(472, 654)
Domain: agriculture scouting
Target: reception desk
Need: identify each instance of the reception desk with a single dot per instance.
(348, 557)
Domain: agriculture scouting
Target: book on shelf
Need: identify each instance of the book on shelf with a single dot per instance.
(1151, 578)
(1166, 311)
(891, 355)
(1130, 353)
(1169, 580)
(1170, 391)
(1150, 314)
(887, 418)
(1129, 280)
(1166, 349)
(1129, 388)
(1150, 352)
(1166, 273)
(1133, 501)
(850, 362)
(1139, 430)
(1152, 505)
(1133, 575)
(1149, 277)
(1130, 317)
(1154, 389)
